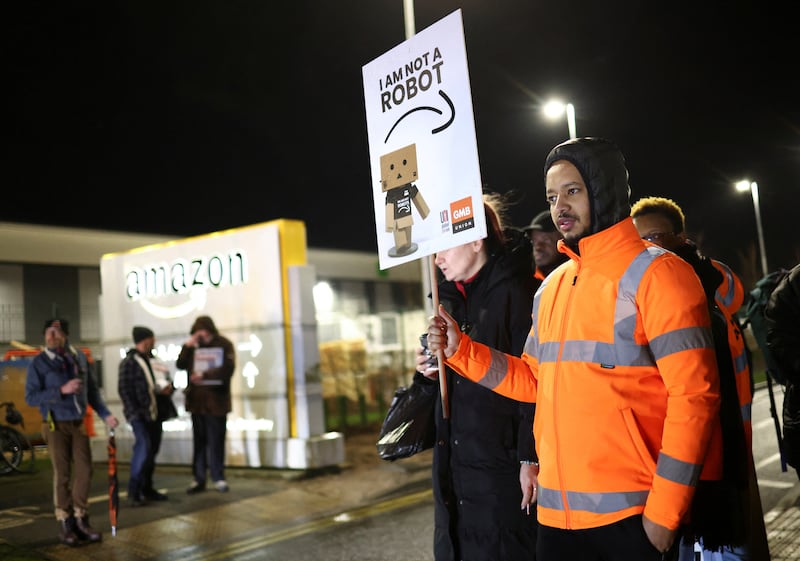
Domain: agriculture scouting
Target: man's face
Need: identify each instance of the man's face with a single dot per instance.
(545, 253)
(54, 337)
(203, 336)
(568, 198)
(148, 345)
(658, 229)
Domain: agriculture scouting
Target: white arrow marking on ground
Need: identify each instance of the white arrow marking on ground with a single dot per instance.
(768, 460)
(775, 484)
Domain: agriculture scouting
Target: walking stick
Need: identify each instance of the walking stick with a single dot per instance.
(440, 353)
(774, 412)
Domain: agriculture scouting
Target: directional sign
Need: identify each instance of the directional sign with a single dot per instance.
(254, 346)
(250, 371)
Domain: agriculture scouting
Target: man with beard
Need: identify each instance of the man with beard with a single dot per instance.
(620, 363)
(138, 390)
(544, 241)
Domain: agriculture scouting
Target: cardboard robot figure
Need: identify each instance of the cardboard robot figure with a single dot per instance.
(398, 170)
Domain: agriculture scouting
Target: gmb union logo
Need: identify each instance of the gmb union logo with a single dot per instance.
(463, 215)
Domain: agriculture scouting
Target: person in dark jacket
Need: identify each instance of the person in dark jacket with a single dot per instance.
(138, 387)
(485, 449)
(544, 239)
(61, 383)
(783, 338)
(208, 399)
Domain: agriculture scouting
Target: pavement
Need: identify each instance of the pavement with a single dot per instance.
(783, 527)
(262, 505)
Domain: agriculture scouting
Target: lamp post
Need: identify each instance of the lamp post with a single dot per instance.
(554, 109)
(408, 18)
(752, 186)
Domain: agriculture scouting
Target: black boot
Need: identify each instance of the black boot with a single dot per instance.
(135, 495)
(153, 495)
(136, 499)
(66, 532)
(86, 532)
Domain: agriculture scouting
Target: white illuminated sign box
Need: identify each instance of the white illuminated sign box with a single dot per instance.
(237, 278)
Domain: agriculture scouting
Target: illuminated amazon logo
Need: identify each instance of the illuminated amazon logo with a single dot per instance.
(190, 277)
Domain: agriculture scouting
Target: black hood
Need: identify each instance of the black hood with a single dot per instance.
(204, 322)
(602, 167)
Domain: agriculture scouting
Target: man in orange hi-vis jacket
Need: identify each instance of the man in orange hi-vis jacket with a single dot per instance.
(726, 520)
(620, 362)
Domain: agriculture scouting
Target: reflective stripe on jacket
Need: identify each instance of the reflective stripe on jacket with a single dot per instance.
(730, 297)
(620, 362)
(741, 368)
(730, 293)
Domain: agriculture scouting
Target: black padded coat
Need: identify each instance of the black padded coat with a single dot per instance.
(477, 452)
(783, 337)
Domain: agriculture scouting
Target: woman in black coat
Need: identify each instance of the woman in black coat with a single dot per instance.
(488, 286)
(783, 337)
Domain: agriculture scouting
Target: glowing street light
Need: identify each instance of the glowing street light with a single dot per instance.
(554, 109)
(752, 186)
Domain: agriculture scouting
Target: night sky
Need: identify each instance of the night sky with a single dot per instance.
(183, 118)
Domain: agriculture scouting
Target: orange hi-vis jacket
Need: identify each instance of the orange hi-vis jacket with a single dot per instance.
(620, 362)
(729, 298)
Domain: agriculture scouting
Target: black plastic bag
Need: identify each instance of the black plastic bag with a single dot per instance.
(409, 426)
(166, 407)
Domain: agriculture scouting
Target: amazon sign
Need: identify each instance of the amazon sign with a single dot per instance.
(180, 276)
(235, 276)
(256, 285)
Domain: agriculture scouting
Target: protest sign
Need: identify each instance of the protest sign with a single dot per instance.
(426, 183)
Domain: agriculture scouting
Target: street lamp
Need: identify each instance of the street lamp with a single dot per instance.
(554, 109)
(752, 186)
